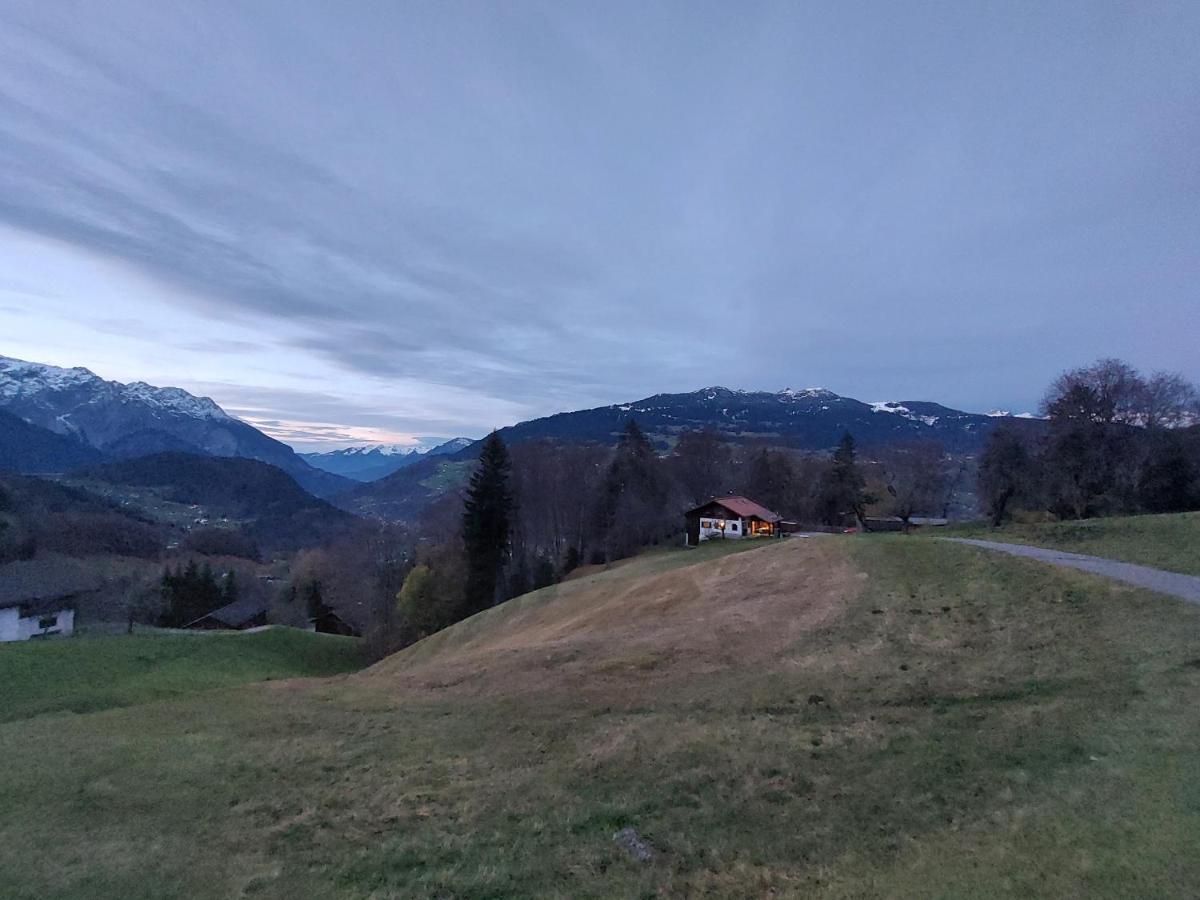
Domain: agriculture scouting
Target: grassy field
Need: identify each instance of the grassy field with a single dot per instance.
(833, 717)
(1169, 542)
(83, 675)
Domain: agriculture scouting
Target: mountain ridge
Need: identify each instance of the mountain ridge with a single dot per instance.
(370, 462)
(125, 421)
(808, 419)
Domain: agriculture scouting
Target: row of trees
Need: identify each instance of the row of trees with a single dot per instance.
(1115, 442)
(191, 591)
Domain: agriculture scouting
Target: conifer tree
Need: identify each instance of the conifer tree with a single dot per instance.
(486, 525)
(633, 495)
(845, 489)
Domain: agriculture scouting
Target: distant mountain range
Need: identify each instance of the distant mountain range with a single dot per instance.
(813, 419)
(55, 420)
(810, 419)
(123, 421)
(374, 461)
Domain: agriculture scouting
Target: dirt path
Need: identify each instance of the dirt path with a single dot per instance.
(1186, 587)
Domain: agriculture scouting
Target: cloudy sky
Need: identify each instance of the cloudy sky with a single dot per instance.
(380, 220)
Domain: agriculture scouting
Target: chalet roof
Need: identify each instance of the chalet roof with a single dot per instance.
(235, 614)
(741, 507)
(43, 583)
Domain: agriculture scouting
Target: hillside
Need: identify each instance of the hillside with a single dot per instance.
(404, 494)
(39, 516)
(90, 674)
(834, 717)
(30, 450)
(262, 500)
(138, 419)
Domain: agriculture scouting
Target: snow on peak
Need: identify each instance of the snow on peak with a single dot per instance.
(172, 398)
(891, 406)
(1009, 414)
(27, 380)
(793, 394)
(21, 378)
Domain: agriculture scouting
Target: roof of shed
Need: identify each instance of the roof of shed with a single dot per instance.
(42, 583)
(239, 612)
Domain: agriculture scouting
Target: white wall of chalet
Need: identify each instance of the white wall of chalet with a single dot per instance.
(15, 627)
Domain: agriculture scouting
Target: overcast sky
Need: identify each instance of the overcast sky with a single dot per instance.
(373, 221)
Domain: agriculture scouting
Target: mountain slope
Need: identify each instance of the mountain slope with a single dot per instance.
(812, 419)
(39, 517)
(130, 420)
(31, 450)
(375, 461)
(402, 495)
(261, 499)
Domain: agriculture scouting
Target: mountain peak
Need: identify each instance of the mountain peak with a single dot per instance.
(40, 382)
(806, 393)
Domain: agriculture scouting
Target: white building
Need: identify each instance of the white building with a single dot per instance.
(733, 517)
(22, 621)
(38, 597)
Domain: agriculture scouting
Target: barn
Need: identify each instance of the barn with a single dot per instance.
(733, 517)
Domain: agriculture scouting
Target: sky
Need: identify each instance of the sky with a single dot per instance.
(392, 221)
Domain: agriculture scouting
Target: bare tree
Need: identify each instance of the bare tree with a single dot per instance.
(1121, 394)
(1169, 400)
(918, 478)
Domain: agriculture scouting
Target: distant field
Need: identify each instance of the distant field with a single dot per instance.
(837, 717)
(87, 674)
(1170, 542)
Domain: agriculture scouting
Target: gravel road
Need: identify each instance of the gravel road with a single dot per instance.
(1184, 586)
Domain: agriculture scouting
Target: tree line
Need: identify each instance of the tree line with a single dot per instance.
(1115, 442)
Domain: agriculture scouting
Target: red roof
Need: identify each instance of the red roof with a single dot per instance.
(742, 508)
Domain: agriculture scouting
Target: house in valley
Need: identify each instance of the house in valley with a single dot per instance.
(733, 517)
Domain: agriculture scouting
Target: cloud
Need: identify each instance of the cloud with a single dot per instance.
(527, 210)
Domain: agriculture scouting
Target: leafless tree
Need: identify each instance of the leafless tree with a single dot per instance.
(918, 478)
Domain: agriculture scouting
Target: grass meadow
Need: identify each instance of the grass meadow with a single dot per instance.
(835, 717)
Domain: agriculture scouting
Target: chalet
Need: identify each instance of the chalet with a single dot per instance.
(733, 517)
(38, 599)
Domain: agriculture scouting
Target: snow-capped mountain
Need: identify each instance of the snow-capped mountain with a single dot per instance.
(35, 386)
(371, 462)
(809, 418)
(129, 420)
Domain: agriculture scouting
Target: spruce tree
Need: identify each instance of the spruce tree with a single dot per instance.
(486, 525)
(845, 490)
(633, 496)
